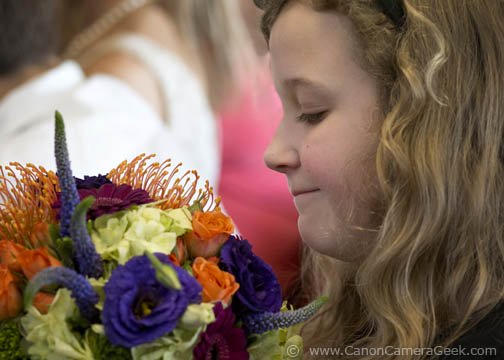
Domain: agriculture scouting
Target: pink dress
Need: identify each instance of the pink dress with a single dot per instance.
(256, 197)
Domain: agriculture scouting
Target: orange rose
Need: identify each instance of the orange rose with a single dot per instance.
(178, 255)
(207, 225)
(42, 301)
(33, 261)
(11, 301)
(210, 231)
(217, 285)
(9, 253)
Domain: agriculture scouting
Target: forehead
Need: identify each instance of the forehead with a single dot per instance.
(304, 37)
(300, 17)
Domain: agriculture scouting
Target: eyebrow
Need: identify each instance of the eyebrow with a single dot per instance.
(303, 82)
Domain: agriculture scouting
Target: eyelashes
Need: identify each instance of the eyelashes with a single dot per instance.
(312, 119)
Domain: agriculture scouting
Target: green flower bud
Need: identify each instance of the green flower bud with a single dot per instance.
(197, 315)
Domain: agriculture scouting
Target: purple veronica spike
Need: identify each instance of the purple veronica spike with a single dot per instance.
(82, 291)
(88, 261)
(69, 194)
(260, 323)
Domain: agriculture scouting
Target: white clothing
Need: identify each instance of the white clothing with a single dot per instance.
(187, 111)
(107, 122)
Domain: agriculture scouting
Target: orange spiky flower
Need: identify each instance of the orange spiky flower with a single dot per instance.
(26, 197)
(160, 181)
(27, 194)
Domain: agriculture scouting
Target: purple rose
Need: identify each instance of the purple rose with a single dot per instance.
(259, 288)
(138, 309)
(222, 339)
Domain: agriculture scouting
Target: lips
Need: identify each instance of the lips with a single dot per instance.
(300, 192)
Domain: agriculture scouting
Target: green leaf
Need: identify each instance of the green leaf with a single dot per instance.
(103, 350)
(196, 206)
(64, 249)
(165, 274)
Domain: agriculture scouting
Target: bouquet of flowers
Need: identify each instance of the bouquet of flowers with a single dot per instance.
(137, 264)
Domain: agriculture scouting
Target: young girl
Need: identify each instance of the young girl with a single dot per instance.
(392, 144)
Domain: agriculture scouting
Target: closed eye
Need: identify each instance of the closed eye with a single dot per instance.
(312, 119)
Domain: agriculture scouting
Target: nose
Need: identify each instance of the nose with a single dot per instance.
(281, 154)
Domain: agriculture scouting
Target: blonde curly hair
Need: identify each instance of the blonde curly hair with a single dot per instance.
(438, 264)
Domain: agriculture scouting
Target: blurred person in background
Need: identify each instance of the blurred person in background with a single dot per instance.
(106, 120)
(142, 76)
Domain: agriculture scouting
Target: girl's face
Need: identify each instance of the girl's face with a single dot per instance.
(326, 143)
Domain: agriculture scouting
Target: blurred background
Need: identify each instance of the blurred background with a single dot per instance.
(185, 79)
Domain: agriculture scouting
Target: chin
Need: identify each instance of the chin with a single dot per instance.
(336, 241)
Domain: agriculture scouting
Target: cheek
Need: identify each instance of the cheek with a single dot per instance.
(341, 149)
(329, 163)
(339, 222)
(344, 169)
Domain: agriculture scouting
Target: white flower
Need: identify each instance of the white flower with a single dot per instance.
(197, 315)
(50, 335)
(130, 233)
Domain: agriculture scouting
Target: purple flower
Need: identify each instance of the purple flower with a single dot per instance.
(91, 182)
(85, 296)
(72, 213)
(88, 261)
(110, 198)
(68, 198)
(260, 323)
(222, 340)
(138, 309)
(259, 288)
